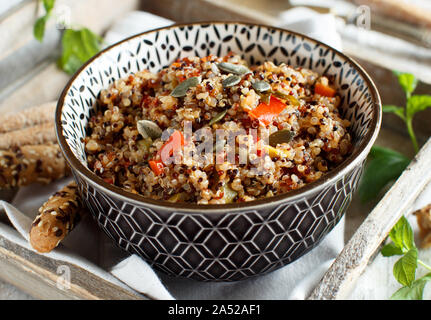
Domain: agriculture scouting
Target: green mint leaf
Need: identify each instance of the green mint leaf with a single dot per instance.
(39, 28)
(407, 81)
(405, 267)
(413, 292)
(390, 250)
(91, 42)
(383, 166)
(399, 111)
(78, 46)
(417, 103)
(48, 5)
(402, 235)
(70, 65)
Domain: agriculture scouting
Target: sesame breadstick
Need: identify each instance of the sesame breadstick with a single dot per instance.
(39, 134)
(21, 166)
(423, 217)
(28, 117)
(56, 218)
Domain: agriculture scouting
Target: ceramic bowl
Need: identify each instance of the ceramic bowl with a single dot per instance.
(219, 242)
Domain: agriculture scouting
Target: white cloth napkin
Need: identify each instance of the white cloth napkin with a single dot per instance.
(101, 256)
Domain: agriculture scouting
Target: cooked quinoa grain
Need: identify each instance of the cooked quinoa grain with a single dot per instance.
(296, 108)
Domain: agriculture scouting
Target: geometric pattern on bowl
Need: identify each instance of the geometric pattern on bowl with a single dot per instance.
(232, 246)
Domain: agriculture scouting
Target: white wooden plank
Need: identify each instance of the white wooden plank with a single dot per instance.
(27, 91)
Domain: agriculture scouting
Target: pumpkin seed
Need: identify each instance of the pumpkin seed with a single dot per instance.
(217, 117)
(233, 68)
(281, 136)
(289, 97)
(231, 81)
(261, 86)
(181, 89)
(149, 129)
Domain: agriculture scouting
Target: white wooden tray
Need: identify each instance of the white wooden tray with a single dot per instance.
(366, 225)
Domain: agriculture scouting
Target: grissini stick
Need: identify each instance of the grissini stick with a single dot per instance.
(57, 217)
(38, 134)
(24, 165)
(423, 217)
(28, 117)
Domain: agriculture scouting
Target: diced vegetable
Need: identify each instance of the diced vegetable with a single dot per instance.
(275, 152)
(179, 197)
(292, 100)
(145, 144)
(265, 113)
(324, 90)
(157, 166)
(229, 195)
(265, 97)
(174, 143)
(109, 180)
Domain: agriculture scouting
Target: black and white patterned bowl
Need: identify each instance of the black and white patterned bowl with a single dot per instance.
(219, 242)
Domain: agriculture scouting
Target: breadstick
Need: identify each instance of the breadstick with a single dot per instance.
(21, 166)
(39, 134)
(28, 117)
(423, 217)
(57, 217)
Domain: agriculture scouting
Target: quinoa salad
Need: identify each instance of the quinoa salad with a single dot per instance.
(139, 136)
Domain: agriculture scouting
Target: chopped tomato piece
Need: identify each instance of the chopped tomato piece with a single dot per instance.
(324, 90)
(265, 113)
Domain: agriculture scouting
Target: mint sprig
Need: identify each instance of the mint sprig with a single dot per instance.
(39, 26)
(78, 45)
(415, 104)
(385, 165)
(405, 268)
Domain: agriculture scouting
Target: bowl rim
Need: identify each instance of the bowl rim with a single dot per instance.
(358, 155)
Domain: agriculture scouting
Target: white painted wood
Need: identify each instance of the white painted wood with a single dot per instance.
(17, 36)
(16, 28)
(353, 259)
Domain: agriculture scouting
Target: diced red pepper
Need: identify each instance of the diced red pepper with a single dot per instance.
(174, 143)
(324, 90)
(109, 180)
(157, 166)
(265, 113)
(256, 140)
